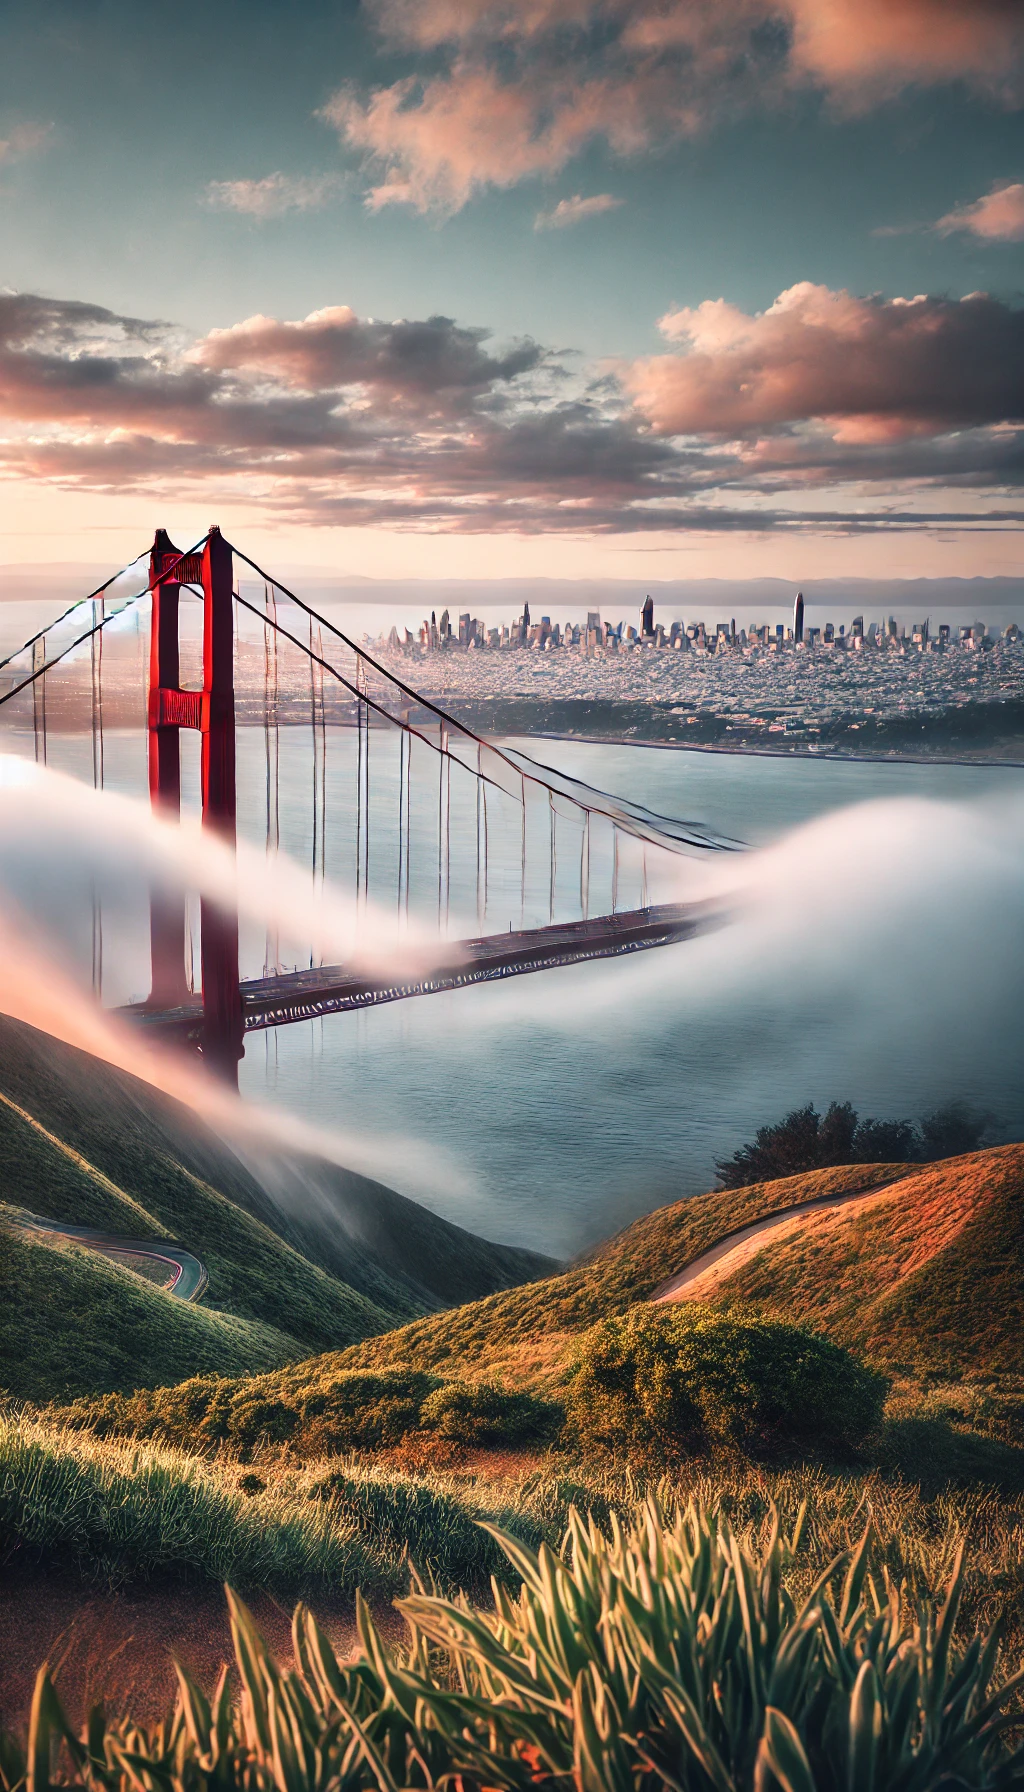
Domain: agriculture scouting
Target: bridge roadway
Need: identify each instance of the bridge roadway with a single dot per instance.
(334, 989)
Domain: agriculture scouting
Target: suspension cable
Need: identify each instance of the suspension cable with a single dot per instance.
(657, 824)
(46, 665)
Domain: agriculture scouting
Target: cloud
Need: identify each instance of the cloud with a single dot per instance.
(275, 194)
(434, 365)
(24, 140)
(866, 370)
(794, 419)
(864, 50)
(998, 217)
(574, 210)
(514, 89)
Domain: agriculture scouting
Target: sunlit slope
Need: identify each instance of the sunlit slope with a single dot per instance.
(521, 1333)
(929, 1277)
(82, 1142)
(74, 1323)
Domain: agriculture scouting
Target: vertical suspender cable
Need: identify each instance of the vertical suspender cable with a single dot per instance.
(480, 904)
(319, 741)
(585, 866)
(551, 856)
(486, 855)
(407, 740)
(443, 830)
(96, 671)
(272, 743)
(615, 868)
(359, 780)
(401, 816)
(643, 878)
(366, 796)
(447, 830)
(39, 700)
(522, 855)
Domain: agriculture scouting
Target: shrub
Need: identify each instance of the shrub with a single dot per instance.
(479, 1413)
(351, 1409)
(682, 1380)
(360, 1409)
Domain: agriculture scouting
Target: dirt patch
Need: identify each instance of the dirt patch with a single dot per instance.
(117, 1646)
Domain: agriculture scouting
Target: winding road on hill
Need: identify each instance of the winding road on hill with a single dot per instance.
(736, 1247)
(185, 1275)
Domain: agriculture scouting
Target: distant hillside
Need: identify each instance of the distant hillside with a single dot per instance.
(74, 1323)
(929, 1277)
(82, 1142)
(520, 1334)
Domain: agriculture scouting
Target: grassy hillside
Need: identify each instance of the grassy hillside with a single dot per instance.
(75, 1323)
(518, 1337)
(929, 1279)
(85, 1143)
(523, 1330)
(391, 1250)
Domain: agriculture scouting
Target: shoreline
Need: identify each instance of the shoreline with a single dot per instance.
(683, 746)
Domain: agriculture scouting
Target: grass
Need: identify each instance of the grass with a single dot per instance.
(116, 1510)
(76, 1323)
(85, 1143)
(675, 1649)
(520, 1334)
(929, 1281)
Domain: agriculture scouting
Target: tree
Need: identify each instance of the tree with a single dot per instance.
(806, 1140)
(954, 1128)
(802, 1141)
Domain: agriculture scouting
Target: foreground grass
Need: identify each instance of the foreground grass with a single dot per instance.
(671, 1652)
(116, 1511)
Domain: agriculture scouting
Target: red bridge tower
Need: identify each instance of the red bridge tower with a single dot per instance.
(212, 711)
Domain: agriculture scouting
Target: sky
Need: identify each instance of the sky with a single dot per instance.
(583, 289)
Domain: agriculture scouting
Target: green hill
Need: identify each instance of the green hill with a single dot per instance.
(85, 1143)
(517, 1336)
(74, 1323)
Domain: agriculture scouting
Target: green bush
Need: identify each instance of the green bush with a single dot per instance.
(672, 1381)
(479, 1413)
(353, 1409)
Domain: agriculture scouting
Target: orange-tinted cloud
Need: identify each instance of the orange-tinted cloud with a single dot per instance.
(421, 425)
(867, 370)
(528, 83)
(998, 217)
(573, 211)
(24, 140)
(275, 194)
(434, 365)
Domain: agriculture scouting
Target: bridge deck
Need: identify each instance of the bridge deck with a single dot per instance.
(333, 989)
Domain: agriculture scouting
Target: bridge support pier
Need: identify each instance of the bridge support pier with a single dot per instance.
(212, 712)
(223, 1030)
(167, 913)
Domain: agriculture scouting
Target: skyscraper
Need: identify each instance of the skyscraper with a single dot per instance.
(647, 617)
(798, 617)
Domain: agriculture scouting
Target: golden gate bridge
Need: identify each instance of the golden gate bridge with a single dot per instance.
(280, 662)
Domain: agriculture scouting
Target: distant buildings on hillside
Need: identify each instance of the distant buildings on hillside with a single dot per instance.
(598, 636)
